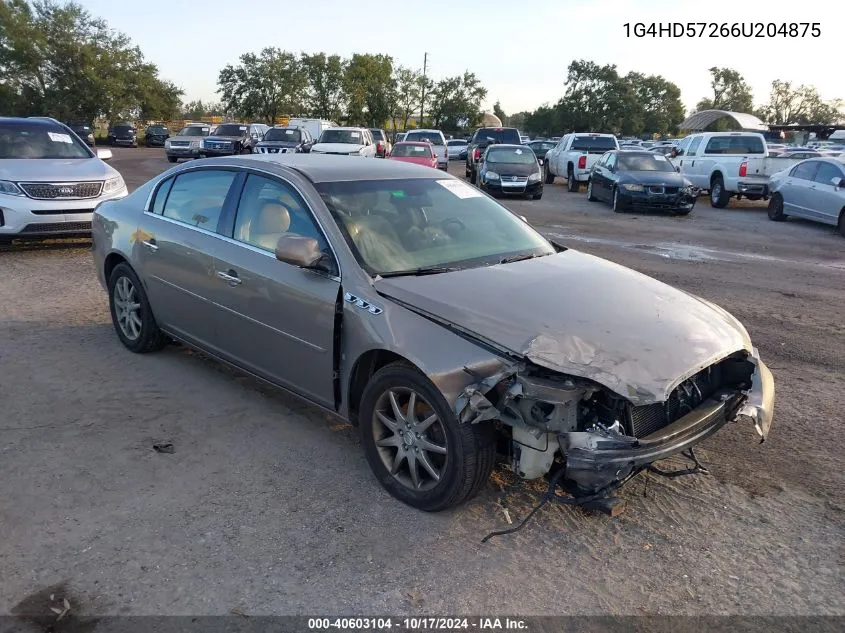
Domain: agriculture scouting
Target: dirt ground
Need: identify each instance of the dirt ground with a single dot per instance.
(268, 507)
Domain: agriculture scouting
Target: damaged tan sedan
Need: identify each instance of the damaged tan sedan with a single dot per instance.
(421, 310)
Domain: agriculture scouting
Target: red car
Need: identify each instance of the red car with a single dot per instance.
(419, 153)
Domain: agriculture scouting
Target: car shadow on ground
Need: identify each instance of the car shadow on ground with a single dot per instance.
(20, 246)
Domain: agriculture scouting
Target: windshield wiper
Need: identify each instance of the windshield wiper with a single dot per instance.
(519, 258)
(416, 272)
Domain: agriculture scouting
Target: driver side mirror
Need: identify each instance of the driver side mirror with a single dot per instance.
(104, 154)
(676, 152)
(296, 250)
(837, 181)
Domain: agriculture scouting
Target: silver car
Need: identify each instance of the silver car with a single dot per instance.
(416, 307)
(813, 189)
(50, 181)
(187, 143)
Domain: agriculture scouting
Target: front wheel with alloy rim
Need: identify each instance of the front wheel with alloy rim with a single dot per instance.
(131, 313)
(590, 195)
(842, 222)
(618, 205)
(416, 447)
(548, 176)
(775, 209)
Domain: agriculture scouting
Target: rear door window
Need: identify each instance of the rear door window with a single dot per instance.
(826, 173)
(735, 145)
(197, 197)
(805, 171)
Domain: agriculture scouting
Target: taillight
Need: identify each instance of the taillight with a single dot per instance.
(582, 162)
(476, 154)
(743, 169)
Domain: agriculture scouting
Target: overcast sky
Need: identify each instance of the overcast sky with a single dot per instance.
(519, 50)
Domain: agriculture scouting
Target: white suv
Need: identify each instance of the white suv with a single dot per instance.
(50, 181)
(346, 141)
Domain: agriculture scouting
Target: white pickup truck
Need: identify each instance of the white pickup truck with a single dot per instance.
(574, 156)
(728, 164)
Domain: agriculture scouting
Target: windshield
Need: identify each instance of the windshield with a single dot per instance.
(541, 145)
(435, 138)
(643, 162)
(593, 143)
(335, 135)
(194, 130)
(455, 143)
(230, 130)
(398, 225)
(31, 140)
(377, 135)
(157, 129)
(283, 134)
(412, 149)
(510, 155)
(498, 135)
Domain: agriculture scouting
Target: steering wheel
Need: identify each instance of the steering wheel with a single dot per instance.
(448, 221)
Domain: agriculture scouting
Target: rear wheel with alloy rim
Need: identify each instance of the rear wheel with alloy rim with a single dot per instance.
(719, 197)
(572, 185)
(590, 195)
(415, 445)
(131, 313)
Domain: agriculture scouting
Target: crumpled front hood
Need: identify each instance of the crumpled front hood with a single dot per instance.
(583, 316)
(346, 148)
(665, 178)
(54, 169)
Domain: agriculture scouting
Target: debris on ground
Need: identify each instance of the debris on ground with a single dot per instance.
(164, 447)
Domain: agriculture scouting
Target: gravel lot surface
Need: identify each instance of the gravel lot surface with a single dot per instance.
(268, 507)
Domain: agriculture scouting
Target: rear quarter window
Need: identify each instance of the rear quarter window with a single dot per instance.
(735, 145)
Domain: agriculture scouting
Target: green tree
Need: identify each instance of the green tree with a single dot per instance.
(730, 92)
(408, 89)
(800, 104)
(497, 110)
(58, 60)
(324, 97)
(368, 82)
(268, 85)
(544, 121)
(659, 101)
(456, 102)
(597, 98)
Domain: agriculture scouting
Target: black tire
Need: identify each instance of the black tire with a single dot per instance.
(549, 177)
(572, 185)
(775, 210)
(617, 204)
(171, 159)
(590, 195)
(470, 448)
(537, 196)
(473, 177)
(842, 223)
(719, 198)
(150, 338)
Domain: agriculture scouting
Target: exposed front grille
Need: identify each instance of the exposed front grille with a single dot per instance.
(52, 191)
(218, 145)
(60, 211)
(686, 397)
(58, 227)
(180, 143)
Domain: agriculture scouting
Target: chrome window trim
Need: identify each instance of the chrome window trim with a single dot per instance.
(232, 240)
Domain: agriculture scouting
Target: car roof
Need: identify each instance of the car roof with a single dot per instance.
(42, 121)
(425, 131)
(326, 168)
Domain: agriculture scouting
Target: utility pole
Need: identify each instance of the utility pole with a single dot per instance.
(422, 96)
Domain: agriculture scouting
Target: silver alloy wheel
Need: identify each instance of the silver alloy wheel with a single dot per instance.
(590, 189)
(615, 199)
(127, 308)
(410, 438)
(715, 192)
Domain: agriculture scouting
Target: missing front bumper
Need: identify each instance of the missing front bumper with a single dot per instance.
(595, 461)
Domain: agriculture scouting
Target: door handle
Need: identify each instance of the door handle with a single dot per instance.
(150, 244)
(231, 277)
